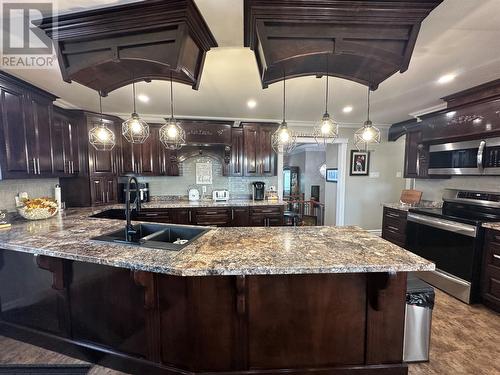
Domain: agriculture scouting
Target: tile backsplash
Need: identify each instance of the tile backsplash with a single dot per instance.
(35, 188)
(239, 187)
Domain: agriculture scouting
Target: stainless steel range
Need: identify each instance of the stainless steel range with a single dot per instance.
(452, 237)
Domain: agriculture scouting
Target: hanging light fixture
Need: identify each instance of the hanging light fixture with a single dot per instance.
(100, 136)
(327, 129)
(368, 133)
(284, 139)
(172, 135)
(135, 129)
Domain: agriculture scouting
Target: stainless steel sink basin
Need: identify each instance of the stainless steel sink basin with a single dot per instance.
(156, 236)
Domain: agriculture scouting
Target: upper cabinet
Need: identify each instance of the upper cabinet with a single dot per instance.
(25, 130)
(142, 159)
(416, 156)
(66, 145)
(259, 159)
(102, 163)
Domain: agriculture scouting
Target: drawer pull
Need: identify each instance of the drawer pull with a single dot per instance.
(149, 214)
(393, 228)
(393, 215)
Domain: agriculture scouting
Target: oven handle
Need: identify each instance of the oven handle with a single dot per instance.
(450, 226)
(480, 152)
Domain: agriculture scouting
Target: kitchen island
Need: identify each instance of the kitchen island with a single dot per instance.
(236, 300)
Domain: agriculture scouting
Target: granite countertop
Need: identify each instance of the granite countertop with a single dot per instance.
(492, 225)
(405, 207)
(210, 203)
(222, 251)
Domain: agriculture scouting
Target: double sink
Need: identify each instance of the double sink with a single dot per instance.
(156, 236)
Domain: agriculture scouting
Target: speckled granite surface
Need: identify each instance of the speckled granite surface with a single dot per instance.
(222, 251)
(205, 203)
(404, 207)
(493, 225)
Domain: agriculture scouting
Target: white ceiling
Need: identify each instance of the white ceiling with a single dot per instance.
(460, 37)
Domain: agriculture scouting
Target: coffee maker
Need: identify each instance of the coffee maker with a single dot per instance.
(259, 191)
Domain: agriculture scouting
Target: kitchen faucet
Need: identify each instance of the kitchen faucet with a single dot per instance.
(129, 229)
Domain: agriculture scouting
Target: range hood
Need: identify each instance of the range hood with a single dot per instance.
(108, 48)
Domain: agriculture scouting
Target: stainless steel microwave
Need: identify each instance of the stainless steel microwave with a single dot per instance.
(468, 158)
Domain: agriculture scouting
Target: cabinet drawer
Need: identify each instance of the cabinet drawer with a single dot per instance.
(266, 210)
(395, 214)
(393, 236)
(212, 211)
(212, 219)
(395, 225)
(491, 286)
(160, 216)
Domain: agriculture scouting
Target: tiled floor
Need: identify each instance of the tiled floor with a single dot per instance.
(465, 341)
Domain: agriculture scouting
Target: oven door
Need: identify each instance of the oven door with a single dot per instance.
(451, 246)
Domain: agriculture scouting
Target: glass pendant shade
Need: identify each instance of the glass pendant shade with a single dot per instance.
(101, 137)
(367, 133)
(135, 129)
(284, 139)
(327, 130)
(172, 135)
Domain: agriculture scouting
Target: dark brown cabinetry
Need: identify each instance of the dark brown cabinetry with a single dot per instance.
(101, 163)
(259, 157)
(142, 159)
(416, 156)
(25, 130)
(66, 145)
(394, 226)
(266, 216)
(236, 165)
(490, 283)
(103, 190)
(212, 216)
(240, 216)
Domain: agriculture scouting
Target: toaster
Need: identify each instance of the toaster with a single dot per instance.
(220, 195)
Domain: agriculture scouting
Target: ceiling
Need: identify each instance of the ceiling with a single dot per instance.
(459, 36)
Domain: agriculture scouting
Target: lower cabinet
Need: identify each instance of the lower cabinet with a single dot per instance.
(266, 216)
(103, 190)
(394, 226)
(490, 283)
(220, 217)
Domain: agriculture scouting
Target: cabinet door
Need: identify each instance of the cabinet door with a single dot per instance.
(413, 139)
(111, 189)
(40, 134)
(181, 215)
(61, 147)
(130, 157)
(15, 162)
(239, 217)
(97, 191)
(74, 142)
(237, 156)
(251, 151)
(148, 163)
(102, 162)
(267, 156)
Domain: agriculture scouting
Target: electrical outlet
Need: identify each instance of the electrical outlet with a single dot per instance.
(398, 174)
(204, 189)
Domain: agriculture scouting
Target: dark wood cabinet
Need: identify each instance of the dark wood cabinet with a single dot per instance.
(236, 165)
(416, 156)
(266, 216)
(25, 130)
(66, 145)
(394, 226)
(490, 279)
(259, 157)
(142, 159)
(103, 190)
(102, 163)
(240, 216)
(212, 216)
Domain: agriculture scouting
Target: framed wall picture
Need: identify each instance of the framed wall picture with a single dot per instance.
(332, 175)
(360, 163)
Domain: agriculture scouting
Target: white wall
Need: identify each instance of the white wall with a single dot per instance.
(332, 151)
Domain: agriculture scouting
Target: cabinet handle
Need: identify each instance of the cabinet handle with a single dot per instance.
(103, 198)
(496, 256)
(189, 215)
(392, 215)
(38, 165)
(393, 228)
(72, 167)
(232, 214)
(107, 197)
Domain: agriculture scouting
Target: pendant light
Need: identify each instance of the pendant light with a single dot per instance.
(284, 139)
(100, 136)
(172, 135)
(135, 129)
(368, 133)
(327, 129)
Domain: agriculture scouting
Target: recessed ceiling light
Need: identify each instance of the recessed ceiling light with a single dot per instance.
(143, 98)
(251, 103)
(347, 109)
(446, 78)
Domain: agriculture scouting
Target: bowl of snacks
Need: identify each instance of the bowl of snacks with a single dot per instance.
(37, 208)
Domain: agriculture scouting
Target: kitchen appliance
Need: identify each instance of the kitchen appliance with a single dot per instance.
(220, 195)
(477, 157)
(193, 194)
(452, 237)
(144, 195)
(259, 191)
